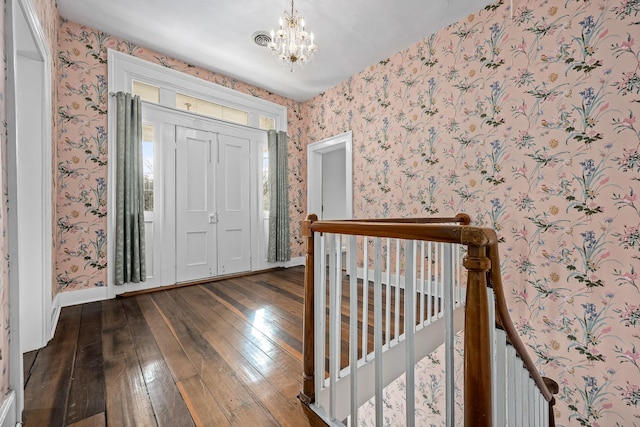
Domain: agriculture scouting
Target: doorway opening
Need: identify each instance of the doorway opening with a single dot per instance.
(29, 182)
(330, 177)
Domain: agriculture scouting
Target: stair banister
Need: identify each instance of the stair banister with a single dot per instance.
(482, 255)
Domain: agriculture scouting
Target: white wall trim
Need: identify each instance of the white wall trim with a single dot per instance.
(8, 410)
(295, 262)
(82, 296)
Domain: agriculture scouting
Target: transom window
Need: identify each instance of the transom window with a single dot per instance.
(211, 109)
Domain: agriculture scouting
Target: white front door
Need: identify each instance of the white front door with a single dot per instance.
(196, 240)
(234, 215)
(213, 216)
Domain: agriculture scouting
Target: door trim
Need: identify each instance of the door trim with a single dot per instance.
(314, 170)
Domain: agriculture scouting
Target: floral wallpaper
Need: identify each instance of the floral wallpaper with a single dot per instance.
(81, 240)
(526, 119)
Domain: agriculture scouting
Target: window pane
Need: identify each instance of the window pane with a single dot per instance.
(265, 178)
(148, 139)
(184, 102)
(146, 92)
(236, 116)
(211, 109)
(267, 123)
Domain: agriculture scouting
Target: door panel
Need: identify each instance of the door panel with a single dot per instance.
(195, 203)
(234, 215)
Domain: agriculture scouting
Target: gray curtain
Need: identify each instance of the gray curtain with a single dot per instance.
(130, 251)
(278, 198)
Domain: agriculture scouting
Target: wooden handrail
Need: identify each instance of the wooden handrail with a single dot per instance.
(443, 233)
(504, 321)
(461, 218)
(479, 263)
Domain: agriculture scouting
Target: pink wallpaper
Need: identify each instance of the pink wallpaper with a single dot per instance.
(527, 123)
(82, 151)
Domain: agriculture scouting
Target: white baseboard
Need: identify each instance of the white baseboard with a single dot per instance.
(294, 262)
(55, 315)
(8, 415)
(67, 299)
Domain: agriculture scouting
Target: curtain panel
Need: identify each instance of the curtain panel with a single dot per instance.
(278, 249)
(130, 245)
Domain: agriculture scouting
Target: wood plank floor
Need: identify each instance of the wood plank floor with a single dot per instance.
(222, 353)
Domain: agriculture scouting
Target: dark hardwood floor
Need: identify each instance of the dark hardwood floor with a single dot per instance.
(222, 353)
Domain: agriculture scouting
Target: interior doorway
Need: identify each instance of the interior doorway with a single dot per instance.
(330, 177)
(29, 183)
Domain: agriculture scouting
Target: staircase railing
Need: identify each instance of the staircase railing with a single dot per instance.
(416, 284)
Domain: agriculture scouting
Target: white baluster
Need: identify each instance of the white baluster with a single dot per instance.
(421, 293)
(429, 283)
(365, 297)
(388, 296)
(517, 393)
(334, 329)
(524, 393)
(397, 293)
(449, 332)
(533, 392)
(353, 332)
(377, 326)
(436, 282)
(320, 280)
(410, 274)
(500, 378)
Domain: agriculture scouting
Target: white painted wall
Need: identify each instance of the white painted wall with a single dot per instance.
(29, 154)
(334, 185)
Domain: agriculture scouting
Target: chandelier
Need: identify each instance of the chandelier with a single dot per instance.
(292, 44)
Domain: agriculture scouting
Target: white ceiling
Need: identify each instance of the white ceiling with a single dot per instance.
(217, 35)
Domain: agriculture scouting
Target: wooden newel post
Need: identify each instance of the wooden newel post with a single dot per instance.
(307, 396)
(477, 347)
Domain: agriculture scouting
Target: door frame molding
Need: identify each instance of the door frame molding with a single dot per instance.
(47, 311)
(314, 170)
